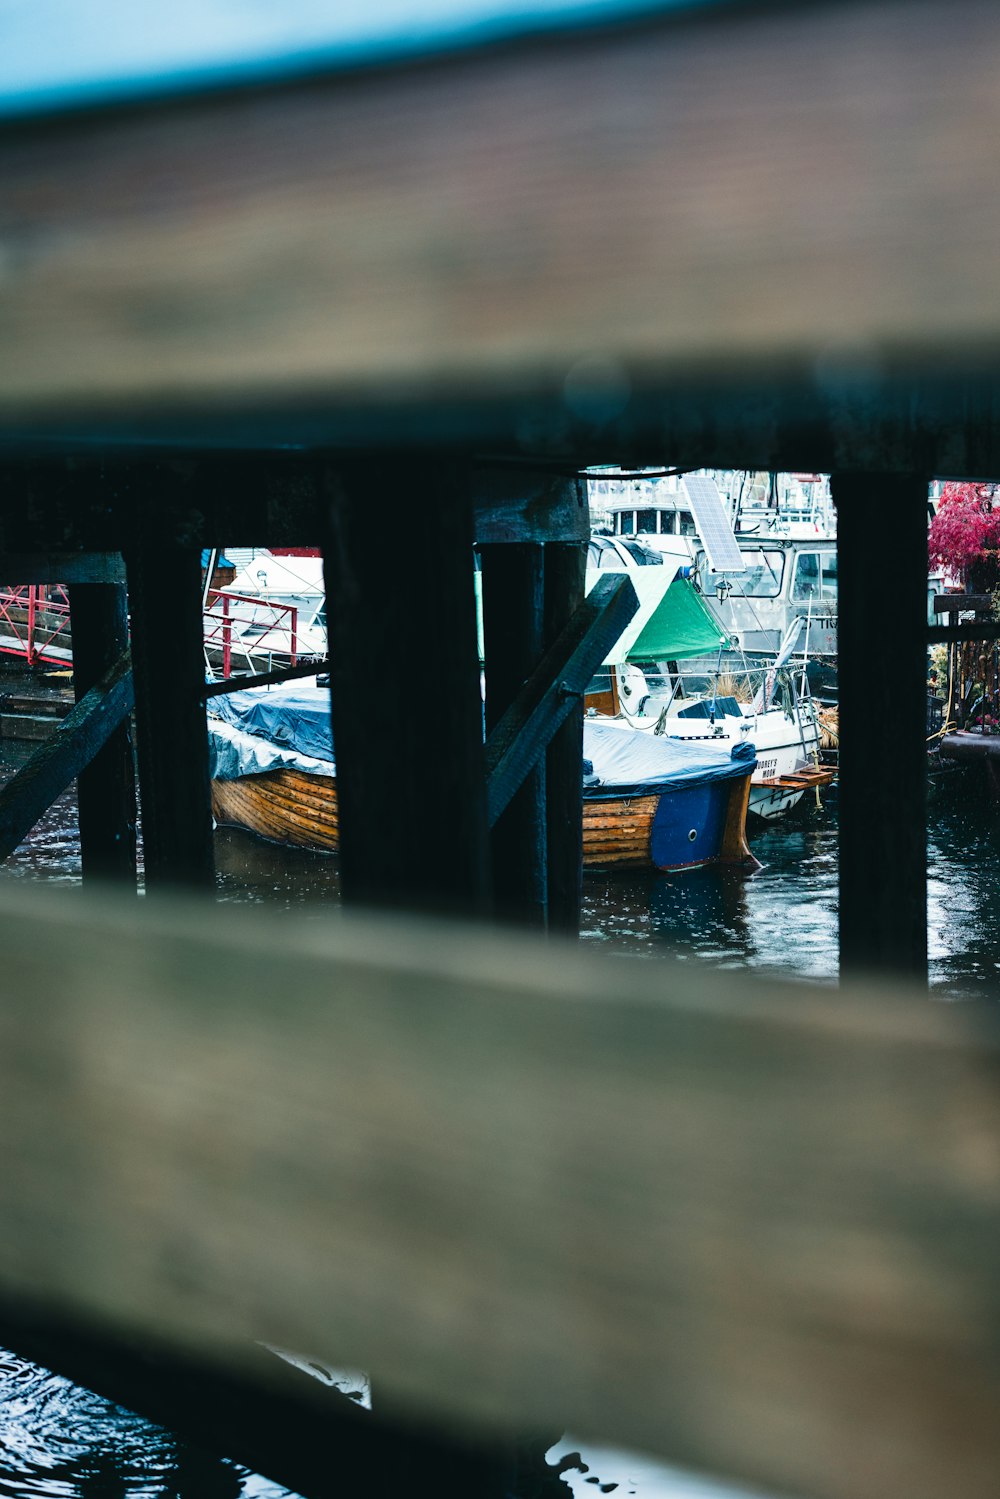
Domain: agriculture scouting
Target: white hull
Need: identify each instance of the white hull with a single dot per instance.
(771, 801)
(784, 747)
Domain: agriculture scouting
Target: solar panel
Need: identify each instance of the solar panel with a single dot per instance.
(714, 528)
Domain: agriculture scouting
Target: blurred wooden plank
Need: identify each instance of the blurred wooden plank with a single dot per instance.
(742, 1224)
(809, 186)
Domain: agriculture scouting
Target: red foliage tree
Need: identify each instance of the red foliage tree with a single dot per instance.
(964, 536)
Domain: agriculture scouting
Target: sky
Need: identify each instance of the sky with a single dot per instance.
(60, 52)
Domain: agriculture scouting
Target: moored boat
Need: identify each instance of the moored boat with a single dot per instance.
(647, 802)
(646, 682)
(663, 803)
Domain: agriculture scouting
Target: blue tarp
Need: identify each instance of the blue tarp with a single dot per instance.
(296, 717)
(634, 762)
(623, 761)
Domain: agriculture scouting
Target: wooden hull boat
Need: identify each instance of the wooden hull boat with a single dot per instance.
(647, 803)
(287, 806)
(300, 810)
(671, 831)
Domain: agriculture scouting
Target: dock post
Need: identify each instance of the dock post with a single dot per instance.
(168, 664)
(882, 674)
(513, 587)
(405, 685)
(565, 582)
(106, 788)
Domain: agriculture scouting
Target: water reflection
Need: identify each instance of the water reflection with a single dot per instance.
(62, 1442)
(963, 888)
(784, 917)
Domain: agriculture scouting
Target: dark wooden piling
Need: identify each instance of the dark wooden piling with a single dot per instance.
(63, 756)
(106, 787)
(882, 637)
(168, 659)
(406, 701)
(565, 573)
(513, 583)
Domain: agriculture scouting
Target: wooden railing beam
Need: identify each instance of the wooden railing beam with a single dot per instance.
(743, 1224)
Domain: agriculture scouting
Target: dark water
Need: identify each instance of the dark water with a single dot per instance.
(58, 1441)
(783, 918)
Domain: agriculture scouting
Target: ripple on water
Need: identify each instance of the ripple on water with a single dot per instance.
(58, 1441)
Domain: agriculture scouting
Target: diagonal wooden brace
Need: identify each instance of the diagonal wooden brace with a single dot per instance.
(555, 688)
(60, 759)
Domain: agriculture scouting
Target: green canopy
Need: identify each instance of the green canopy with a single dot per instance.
(670, 624)
(680, 626)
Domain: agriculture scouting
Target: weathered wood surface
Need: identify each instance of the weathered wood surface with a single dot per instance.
(513, 603)
(61, 567)
(518, 505)
(266, 678)
(975, 630)
(80, 736)
(555, 689)
(168, 653)
(882, 761)
(955, 603)
(617, 832)
(105, 790)
(287, 806)
(740, 1223)
(565, 584)
(405, 693)
(742, 190)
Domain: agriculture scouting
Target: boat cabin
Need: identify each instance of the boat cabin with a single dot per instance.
(785, 580)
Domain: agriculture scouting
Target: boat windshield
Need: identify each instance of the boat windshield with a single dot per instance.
(815, 576)
(765, 569)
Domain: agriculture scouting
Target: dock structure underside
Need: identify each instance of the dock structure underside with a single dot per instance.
(393, 313)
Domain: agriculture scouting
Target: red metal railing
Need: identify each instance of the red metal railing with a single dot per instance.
(246, 629)
(35, 624)
(239, 630)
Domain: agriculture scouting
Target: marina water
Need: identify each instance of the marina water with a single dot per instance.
(58, 1441)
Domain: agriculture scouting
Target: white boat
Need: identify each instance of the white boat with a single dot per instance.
(292, 582)
(788, 553)
(644, 684)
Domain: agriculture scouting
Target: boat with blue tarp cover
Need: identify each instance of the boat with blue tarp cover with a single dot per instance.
(663, 802)
(647, 801)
